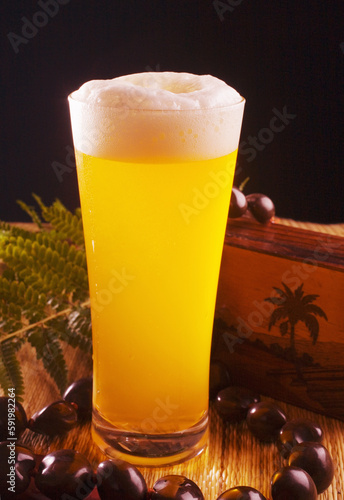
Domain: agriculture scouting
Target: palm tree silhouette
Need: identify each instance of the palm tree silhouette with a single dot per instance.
(294, 307)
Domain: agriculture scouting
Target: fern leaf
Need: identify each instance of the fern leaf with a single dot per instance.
(39, 202)
(76, 331)
(44, 298)
(48, 349)
(10, 369)
(7, 230)
(31, 212)
(5, 379)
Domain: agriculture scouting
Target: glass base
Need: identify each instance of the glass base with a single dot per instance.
(149, 450)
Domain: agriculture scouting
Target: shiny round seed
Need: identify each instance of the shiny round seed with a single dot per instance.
(80, 393)
(65, 474)
(232, 403)
(292, 483)
(55, 419)
(176, 487)
(119, 480)
(265, 420)
(261, 207)
(315, 459)
(238, 204)
(241, 493)
(295, 432)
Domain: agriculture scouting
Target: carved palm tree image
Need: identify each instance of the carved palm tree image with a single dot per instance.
(293, 307)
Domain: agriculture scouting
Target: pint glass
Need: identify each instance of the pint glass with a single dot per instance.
(155, 187)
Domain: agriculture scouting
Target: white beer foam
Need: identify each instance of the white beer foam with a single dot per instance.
(159, 91)
(156, 116)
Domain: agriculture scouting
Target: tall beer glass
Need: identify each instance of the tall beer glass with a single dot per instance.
(155, 157)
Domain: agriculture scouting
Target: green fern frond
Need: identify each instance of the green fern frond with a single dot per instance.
(44, 297)
(49, 350)
(39, 202)
(7, 230)
(76, 331)
(31, 212)
(66, 224)
(5, 379)
(10, 369)
(79, 322)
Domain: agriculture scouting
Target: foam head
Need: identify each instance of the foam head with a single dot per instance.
(156, 116)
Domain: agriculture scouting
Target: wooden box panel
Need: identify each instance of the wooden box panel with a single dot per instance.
(291, 346)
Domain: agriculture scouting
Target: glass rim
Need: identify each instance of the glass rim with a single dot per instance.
(191, 110)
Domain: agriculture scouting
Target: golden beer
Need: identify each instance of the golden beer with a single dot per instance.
(154, 229)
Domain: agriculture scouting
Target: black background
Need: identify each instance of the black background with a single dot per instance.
(278, 55)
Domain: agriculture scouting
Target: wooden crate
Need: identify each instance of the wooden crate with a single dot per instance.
(279, 324)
